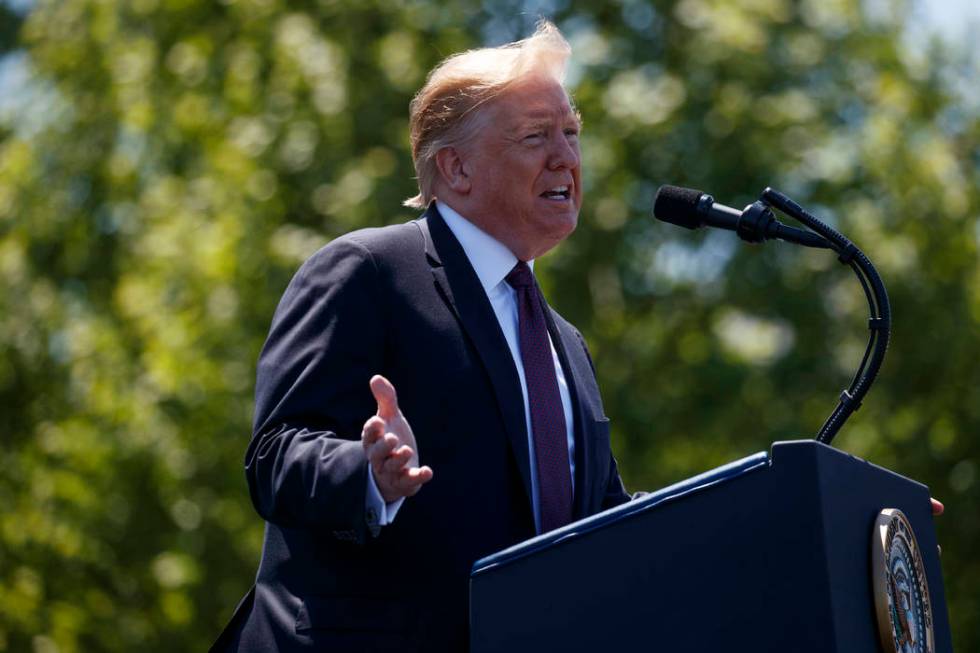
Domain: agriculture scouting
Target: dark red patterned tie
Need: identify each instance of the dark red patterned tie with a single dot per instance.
(547, 414)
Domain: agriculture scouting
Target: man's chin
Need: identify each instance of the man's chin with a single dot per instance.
(561, 226)
(560, 209)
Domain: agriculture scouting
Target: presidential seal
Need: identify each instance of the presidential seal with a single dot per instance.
(900, 587)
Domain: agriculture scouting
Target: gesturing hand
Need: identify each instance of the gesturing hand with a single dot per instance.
(390, 446)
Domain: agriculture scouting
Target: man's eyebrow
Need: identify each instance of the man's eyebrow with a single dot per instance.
(518, 127)
(548, 114)
(543, 119)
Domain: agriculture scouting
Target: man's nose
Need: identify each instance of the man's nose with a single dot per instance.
(564, 154)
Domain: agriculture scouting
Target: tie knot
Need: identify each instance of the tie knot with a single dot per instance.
(521, 276)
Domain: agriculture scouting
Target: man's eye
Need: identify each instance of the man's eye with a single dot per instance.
(534, 135)
(571, 132)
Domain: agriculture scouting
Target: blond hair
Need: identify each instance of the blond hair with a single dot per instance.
(446, 112)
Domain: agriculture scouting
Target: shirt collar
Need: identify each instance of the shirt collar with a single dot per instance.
(489, 257)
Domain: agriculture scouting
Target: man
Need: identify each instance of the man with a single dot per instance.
(366, 548)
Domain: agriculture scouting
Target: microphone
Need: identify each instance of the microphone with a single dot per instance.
(691, 209)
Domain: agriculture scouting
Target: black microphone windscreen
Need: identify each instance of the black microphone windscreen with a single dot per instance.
(678, 206)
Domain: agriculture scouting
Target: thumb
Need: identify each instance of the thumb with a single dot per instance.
(384, 393)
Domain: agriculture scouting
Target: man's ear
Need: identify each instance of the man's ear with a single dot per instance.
(453, 170)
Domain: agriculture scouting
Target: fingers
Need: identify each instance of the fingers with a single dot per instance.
(412, 479)
(389, 444)
(376, 442)
(384, 393)
(421, 474)
(378, 452)
(397, 459)
(937, 507)
(373, 429)
(392, 462)
(402, 480)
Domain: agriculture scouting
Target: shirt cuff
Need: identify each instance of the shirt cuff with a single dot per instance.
(377, 512)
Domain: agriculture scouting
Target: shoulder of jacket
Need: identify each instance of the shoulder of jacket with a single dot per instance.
(374, 244)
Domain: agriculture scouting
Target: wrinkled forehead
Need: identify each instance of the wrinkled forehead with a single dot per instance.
(535, 99)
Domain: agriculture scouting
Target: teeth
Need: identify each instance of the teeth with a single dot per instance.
(556, 193)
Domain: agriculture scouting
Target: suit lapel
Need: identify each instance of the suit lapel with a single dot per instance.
(460, 288)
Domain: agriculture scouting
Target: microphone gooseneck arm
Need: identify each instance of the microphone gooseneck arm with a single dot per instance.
(874, 291)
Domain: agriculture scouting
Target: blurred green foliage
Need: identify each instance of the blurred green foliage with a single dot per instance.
(165, 165)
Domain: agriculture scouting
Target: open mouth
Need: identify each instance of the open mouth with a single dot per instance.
(558, 193)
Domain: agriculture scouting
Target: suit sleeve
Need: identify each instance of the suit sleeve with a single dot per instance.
(305, 464)
(615, 490)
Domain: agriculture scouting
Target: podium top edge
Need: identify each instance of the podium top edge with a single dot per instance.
(828, 452)
(645, 502)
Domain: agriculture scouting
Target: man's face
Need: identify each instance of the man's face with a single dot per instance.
(524, 168)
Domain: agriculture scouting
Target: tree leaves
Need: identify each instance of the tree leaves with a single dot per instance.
(168, 165)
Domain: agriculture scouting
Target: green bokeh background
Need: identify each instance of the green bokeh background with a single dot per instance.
(165, 166)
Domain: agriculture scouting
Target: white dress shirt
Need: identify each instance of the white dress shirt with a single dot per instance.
(492, 262)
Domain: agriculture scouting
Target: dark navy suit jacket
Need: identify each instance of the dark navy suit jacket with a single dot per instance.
(404, 302)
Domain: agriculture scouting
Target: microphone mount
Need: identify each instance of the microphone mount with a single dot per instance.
(757, 223)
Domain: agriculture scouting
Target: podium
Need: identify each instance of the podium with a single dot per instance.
(769, 553)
